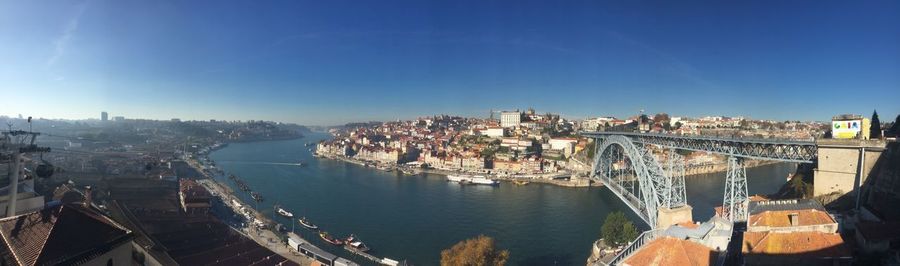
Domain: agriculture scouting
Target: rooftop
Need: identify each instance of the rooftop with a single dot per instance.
(805, 244)
(782, 218)
(756, 207)
(62, 234)
(672, 251)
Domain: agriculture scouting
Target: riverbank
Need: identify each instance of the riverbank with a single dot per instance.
(392, 212)
(723, 167)
(261, 235)
(558, 179)
(264, 230)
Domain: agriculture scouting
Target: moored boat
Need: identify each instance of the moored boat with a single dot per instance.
(354, 243)
(481, 180)
(256, 196)
(458, 178)
(285, 213)
(331, 240)
(306, 223)
(521, 182)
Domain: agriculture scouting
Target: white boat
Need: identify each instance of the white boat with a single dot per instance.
(481, 180)
(458, 178)
(285, 213)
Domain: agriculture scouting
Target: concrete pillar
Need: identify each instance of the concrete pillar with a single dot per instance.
(669, 216)
(844, 164)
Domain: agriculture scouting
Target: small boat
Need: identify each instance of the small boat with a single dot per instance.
(458, 178)
(285, 213)
(481, 180)
(306, 223)
(331, 240)
(353, 243)
(256, 196)
(521, 182)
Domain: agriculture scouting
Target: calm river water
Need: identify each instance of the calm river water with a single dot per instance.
(415, 217)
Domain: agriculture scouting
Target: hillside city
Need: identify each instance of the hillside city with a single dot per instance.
(533, 144)
(150, 183)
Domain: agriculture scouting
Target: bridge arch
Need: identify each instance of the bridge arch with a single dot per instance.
(656, 187)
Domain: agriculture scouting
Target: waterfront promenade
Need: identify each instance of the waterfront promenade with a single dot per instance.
(563, 179)
(264, 237)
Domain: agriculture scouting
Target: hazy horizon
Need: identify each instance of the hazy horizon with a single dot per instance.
(334, 62)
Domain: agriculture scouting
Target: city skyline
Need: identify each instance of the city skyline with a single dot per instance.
(331, 63)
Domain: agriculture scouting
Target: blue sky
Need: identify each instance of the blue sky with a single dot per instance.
(331, 62)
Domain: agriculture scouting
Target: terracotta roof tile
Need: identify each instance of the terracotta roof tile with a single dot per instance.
(781, 218)
(59, 234)
(672, 251)
(815, 244)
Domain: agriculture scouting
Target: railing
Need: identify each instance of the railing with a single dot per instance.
(640, 241)
(707, 136)
(764, 149)
(630, 200)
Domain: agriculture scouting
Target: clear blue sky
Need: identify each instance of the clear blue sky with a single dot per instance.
(330, 62)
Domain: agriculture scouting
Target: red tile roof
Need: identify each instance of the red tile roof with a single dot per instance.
(672, 251)
(64, 234)
(781, 218)
(810, 244)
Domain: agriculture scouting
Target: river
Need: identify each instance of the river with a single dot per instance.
(415, 217)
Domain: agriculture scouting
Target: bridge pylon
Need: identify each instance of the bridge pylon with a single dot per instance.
(736, 200)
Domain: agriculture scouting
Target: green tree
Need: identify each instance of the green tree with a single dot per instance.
(617, 229)
(875, 128)
(480, 250)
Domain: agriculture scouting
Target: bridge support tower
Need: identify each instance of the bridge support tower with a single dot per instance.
(736, 200)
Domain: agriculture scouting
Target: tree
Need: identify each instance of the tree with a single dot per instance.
(474, 251)
(591, 151)
(661, 117)
(875, 128)
(618, 230)
(801, 188)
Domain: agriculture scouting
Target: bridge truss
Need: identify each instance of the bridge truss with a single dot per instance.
(780, 150)
(625, 164)
(634, 174)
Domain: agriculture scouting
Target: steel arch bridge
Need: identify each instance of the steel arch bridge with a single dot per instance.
(625, 163)
(620, 164)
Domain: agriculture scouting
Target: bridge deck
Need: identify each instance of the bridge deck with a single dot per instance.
(763, 149)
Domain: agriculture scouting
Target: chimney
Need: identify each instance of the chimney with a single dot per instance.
(795, 219)
(87, 197)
